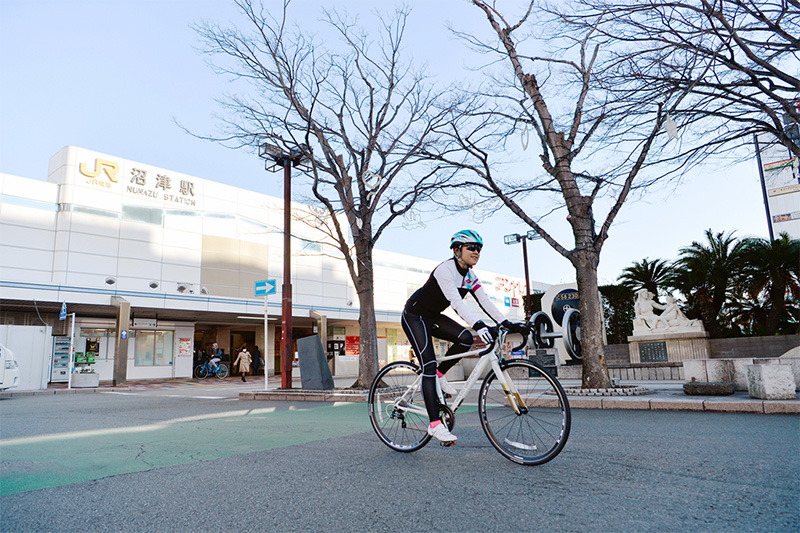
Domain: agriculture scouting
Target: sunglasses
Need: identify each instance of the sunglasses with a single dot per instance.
(474, 247)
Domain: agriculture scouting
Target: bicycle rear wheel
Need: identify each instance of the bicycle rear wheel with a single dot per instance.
(539, 432)
(397, 409)
(222, 371)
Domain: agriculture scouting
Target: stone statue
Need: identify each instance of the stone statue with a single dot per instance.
(671, 320)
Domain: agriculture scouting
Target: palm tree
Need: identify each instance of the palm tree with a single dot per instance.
(772, 272)
(705, 275)
(646, 274)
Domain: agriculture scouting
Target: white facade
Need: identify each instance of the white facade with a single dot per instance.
(186, 253)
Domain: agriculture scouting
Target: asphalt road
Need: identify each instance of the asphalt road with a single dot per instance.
(191, 460)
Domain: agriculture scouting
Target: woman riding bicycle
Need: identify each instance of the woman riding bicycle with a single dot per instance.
(422, 319)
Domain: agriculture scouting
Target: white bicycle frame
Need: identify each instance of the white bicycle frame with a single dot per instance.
(489, 358)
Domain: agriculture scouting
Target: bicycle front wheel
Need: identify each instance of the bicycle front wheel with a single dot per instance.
(539, 431)
(201, 371)
(222, 371)
(397, 409)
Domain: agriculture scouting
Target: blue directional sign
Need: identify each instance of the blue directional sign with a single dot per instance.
(266, 287)
(63, 315)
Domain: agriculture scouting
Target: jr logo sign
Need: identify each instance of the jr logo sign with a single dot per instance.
(110, 167)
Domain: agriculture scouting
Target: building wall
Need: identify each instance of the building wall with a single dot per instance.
(102, 226)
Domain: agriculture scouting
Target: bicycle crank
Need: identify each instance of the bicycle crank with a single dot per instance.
(447, 416)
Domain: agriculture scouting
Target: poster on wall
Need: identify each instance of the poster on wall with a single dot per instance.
(351, 348)
(185, 347)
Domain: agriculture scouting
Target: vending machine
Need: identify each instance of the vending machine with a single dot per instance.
(59, 373)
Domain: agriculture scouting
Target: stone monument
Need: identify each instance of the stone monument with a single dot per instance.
(665, 337)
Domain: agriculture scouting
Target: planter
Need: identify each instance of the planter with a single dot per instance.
(85, 380)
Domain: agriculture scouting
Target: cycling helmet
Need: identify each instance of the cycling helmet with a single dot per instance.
(466, 236)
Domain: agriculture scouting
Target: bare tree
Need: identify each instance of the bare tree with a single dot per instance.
(592, 150)
(356, 108)
(601, 83)
(739, 59)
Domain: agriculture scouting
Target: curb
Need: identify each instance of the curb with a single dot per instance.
(575, 402)
(49, 392)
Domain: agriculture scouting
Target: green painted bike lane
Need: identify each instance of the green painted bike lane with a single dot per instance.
(38, 462)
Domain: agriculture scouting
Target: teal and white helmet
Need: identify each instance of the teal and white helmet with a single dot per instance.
(466, 236)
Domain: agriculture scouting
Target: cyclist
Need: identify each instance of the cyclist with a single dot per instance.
(422, 319)
(216, 356)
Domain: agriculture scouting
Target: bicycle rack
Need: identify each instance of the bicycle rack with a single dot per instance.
(544, 336)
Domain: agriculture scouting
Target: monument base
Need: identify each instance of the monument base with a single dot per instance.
(668, 347)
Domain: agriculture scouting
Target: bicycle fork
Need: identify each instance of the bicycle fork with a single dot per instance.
(514, 398)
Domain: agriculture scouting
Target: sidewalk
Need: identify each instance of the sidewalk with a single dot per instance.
(661, 396)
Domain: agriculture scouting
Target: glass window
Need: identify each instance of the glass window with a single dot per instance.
(148, 215)
(107, 339)
(153, 348)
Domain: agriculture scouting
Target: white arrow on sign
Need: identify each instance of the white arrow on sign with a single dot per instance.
(266, 287)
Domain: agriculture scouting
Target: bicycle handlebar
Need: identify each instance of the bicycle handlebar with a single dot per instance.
(495, 330)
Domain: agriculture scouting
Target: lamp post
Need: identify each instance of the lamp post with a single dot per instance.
(276, 157)
(513, 239)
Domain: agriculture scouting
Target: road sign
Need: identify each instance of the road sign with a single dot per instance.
(123, 334)
(63, 315)
(265, 287)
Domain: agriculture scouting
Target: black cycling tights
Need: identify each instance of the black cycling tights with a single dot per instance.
(420, 331)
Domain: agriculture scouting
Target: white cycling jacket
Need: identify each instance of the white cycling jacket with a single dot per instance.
(446, 287)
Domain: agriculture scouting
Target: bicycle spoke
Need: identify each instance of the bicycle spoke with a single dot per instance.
(394, 394)
(538, 432)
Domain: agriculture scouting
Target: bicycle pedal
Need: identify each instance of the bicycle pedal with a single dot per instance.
(447, 444)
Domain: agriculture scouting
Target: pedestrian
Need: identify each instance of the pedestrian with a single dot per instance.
(257, 363)
(243, 360)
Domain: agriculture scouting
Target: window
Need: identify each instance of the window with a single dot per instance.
(107, 339)
(391, 345)
(153, 348)
(148, 215)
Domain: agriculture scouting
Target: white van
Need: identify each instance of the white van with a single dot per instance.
(9, 369)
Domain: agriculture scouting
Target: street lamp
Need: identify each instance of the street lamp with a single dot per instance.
(513, 239)
(276, 157)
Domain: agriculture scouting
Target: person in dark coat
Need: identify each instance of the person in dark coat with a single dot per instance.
(256, 360)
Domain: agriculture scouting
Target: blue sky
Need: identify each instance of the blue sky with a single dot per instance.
(114, 75)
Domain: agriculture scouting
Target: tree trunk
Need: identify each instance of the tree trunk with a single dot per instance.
(368, 343)
(777, 300)
(595, 373)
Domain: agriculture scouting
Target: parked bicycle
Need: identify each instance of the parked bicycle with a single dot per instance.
(522, 408)
(220, 370)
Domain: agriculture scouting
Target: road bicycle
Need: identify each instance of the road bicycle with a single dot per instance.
(202, 371)
(523, 409)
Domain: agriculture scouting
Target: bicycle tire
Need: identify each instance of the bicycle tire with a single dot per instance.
(222, 371)
(539, 433)
(201, 372)
(397, 428)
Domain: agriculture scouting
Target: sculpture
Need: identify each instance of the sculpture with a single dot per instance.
(671, 320)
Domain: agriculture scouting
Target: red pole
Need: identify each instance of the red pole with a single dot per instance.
(287, 351)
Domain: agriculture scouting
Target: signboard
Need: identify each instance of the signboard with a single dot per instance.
(144, 323)
(653, 352)
(780, 172)
(266, 287)
(351, 344)
(63, 314)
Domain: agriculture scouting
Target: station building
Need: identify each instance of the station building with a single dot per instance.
(183, 254)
